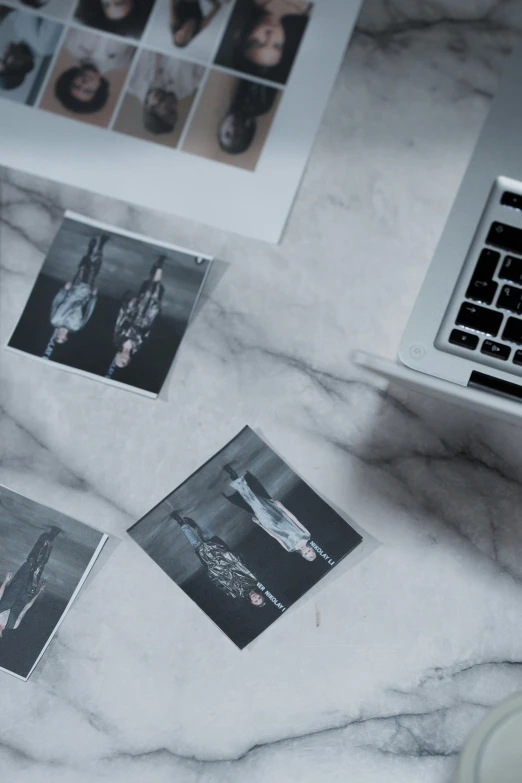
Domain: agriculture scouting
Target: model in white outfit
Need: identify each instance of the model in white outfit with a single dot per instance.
(160, 82)
(106, 54)
(271, 515)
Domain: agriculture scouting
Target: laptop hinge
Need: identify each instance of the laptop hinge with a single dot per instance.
(511, 391)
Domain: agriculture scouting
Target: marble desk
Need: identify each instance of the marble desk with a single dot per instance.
(378, 676)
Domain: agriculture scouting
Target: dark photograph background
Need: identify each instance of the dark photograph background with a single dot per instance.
(21, 523)
(126, 264)
(241, 22)
(285, 574)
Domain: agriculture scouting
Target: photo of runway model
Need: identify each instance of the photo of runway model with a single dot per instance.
(269, 514)
(258, 531)
(19, 592)
(45, 557)
(74, 304)
(224, 568)
(137, 315)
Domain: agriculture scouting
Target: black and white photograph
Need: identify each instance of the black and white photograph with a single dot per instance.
(27, 45)
(44, 559)
(245, 537)
(193, 26)
(126, 18)
(111, 304)
(263, 37)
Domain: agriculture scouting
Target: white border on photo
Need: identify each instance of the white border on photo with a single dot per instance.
(257, 203)
(88, 569)
(131, 235)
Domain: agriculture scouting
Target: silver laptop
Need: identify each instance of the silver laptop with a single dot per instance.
(464, 337)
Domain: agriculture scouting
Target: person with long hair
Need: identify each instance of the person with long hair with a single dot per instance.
(74, 303)
(121, 17)
(271, 515)
(267, 35)
(18, 593)
(84, 88)
(224, 568)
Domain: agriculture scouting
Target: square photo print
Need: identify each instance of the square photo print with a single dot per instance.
(245, 537)
(111, 304)
(45, 558)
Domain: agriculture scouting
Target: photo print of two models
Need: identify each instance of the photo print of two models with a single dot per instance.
(111, 304)
(205, 76)
(45, 557)
(245, 537)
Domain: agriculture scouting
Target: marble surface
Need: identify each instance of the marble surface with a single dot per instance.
(378, 676)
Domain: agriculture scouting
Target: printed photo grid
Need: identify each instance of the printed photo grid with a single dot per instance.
(204, 77)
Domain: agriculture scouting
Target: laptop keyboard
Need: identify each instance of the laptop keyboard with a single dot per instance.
(487, 319)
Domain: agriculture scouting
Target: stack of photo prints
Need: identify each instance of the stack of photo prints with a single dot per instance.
(244, 537)
(203, 76)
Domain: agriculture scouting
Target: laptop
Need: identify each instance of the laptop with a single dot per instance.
(463, 341)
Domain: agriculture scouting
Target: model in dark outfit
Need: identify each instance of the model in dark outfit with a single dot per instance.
(224, 568)
(19, 592)
(138, 314)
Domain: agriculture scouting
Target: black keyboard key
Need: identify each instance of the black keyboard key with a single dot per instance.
(511, 270)
(497, 350)
(482, 288)
(510, 299)
(465, 339)
(513, 331)
(480, 319)
(517, 358)
(482, 291)
(511, 200)
(486, 264)
(506, 237)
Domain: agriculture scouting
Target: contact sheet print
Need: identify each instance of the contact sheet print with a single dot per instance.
(216, 91)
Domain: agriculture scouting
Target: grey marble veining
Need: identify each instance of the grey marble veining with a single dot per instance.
(379, 675)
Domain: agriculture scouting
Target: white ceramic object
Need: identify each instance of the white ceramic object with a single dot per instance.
(493, 753)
